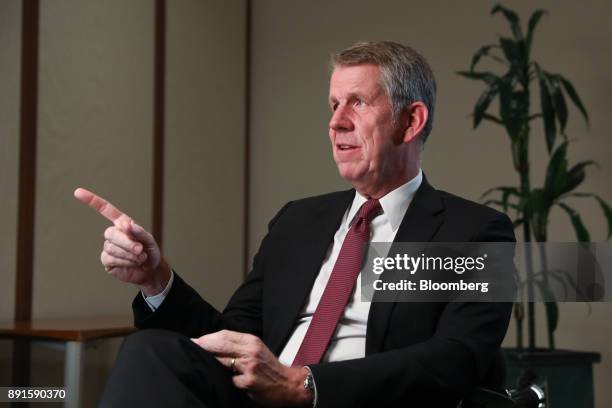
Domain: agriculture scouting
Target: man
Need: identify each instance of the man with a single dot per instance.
(295, 333)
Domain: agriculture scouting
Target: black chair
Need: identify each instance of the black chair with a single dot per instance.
(494, 395)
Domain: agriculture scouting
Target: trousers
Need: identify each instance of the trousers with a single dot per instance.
(160, 368)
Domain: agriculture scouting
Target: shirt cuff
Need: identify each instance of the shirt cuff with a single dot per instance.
(155, 301)
(314, 388)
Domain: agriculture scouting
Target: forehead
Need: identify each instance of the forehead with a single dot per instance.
(355, 79)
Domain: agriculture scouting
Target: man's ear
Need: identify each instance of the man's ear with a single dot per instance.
(416, 115)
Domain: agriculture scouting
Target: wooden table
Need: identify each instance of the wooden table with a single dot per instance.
(72, 335)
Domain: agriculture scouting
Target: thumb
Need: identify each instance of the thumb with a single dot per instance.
(123, 223)
(142, 235)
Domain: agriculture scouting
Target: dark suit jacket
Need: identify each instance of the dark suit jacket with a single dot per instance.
(417, 354)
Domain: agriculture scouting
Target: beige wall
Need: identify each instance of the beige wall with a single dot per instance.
(203, 224)
(94, 130)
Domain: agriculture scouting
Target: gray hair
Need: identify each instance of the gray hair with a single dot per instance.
(405, 74)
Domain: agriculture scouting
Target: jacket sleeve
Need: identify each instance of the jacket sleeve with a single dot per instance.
(185, 312)
(439, 370)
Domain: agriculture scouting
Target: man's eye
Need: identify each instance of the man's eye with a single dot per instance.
(359, 102)
(334, 107)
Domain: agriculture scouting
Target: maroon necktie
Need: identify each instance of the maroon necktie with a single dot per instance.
(339, 287)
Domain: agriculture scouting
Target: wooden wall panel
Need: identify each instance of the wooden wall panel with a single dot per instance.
(10, 67)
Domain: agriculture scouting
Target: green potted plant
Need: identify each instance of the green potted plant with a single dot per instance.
(530, 206)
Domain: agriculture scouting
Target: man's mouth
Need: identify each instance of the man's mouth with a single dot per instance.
(346, 147)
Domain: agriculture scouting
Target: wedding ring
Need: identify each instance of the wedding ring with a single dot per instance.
(233, 365)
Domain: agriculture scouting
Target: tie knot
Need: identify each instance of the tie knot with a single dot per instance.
(369, 209)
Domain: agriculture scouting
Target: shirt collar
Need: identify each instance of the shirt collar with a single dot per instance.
(394, 203)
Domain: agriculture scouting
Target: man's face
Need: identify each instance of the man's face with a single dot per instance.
(366, 140)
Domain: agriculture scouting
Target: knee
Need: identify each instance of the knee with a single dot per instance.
(150, 341)
(149, 348)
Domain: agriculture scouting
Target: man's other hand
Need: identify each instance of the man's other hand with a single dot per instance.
(130, 253)
(256, 370)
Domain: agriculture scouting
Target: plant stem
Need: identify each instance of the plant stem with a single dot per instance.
(522, 166)
(545, 282)
(519, 317)
(530, 292)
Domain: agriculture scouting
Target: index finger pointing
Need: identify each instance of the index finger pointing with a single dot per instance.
(99, 204)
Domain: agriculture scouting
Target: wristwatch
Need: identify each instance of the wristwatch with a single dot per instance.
(309, 382)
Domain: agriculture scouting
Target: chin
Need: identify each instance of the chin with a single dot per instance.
(350, 173)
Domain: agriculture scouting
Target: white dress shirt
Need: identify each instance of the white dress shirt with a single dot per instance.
(348, 341)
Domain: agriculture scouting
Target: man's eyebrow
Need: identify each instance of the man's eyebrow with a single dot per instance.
(349, 96)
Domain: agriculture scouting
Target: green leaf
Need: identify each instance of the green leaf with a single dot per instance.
(582, 234)
(510, 49)
(605, 207)
(523, 58)
(511, 191)
(492, 118)
(534, 116)
(576, 175)
(505, 101)
(484, 50)
(506, 195)
(483, 103)
(607, 212)
(533, 22)
(571, 92)
(552, 316)
(512, 18)
(552, 310)
(537, 208)
(510, 106)
(518, 222)
(539, 204)
(556, 172)
(558, 101)
(581, 296)
(506, 192)
(561, 281)
(488, 77)
(515, 53)
(548, 111)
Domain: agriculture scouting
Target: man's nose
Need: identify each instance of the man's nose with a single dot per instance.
(340, 120)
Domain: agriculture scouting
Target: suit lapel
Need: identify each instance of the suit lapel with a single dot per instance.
(313, 246)
(421, 221)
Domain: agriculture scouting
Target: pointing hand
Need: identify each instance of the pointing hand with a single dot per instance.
(130, 253)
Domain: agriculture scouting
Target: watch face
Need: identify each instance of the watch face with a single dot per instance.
(309, 382)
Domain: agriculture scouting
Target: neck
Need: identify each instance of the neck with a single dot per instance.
(382, 189)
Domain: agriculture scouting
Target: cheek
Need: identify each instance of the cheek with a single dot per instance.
(385, 137)
(375, 146)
